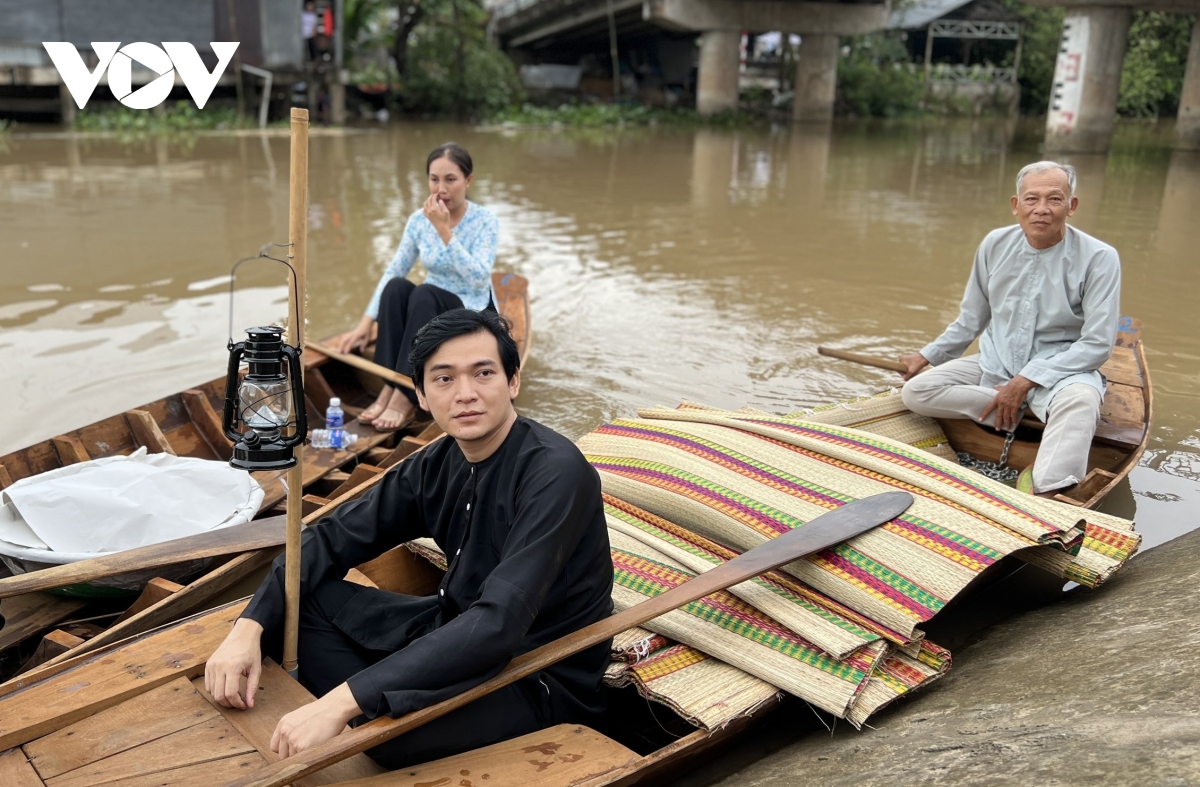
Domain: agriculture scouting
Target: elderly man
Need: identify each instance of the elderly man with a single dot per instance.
(1046, 298)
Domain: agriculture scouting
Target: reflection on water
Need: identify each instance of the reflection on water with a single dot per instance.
(664, 264)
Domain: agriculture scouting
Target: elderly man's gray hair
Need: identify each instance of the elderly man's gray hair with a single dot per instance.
(1046, 166)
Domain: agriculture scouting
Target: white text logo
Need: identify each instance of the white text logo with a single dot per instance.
(179, 56)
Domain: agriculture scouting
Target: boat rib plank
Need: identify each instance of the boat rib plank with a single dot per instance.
(28, 613)
(147, 432)
(194, 595)
(70, 450)
(113, 677)
(162, 711)
(207, 422)
(214, 739)
(15, 770)
(279, 694)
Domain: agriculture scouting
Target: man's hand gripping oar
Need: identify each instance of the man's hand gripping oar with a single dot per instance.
(821, 533)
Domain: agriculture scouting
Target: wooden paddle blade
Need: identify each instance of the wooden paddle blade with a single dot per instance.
(821, 533)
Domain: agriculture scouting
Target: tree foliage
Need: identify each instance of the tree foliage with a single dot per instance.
(1152, 78)
(876, 79)
(1041, 32)
(439, 54)
(451, 66)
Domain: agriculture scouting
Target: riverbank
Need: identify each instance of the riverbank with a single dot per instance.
(1097, 689)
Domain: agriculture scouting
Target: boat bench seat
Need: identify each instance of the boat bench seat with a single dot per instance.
(1123, 413)
(568, 755)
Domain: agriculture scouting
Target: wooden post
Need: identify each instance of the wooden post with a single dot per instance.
(298, 238)
(1017, 57)
(612, 51)
(928, 49)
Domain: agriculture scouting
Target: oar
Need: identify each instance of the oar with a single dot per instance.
(358, 362)
(865, 360)
(823, 532)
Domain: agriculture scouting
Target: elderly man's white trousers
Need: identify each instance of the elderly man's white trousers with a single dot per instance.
(952, 390)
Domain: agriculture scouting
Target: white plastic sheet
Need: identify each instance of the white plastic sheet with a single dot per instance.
(121, 502)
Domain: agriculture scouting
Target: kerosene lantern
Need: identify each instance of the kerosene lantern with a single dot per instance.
(265, 401)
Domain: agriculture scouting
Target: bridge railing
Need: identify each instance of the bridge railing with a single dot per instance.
(957, 72)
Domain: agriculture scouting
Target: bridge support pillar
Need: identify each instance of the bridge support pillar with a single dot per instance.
(717, 80)
(67, 102)
(1087, 79)
(816, 79)
(1187, 124)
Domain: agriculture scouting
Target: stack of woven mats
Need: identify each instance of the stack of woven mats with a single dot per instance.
(688, 488)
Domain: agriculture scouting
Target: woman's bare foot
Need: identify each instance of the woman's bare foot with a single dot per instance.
(377, 407)
(397, 415)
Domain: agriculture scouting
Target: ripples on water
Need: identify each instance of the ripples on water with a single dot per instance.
(664, 264)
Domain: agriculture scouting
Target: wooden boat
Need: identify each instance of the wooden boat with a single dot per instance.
(58, 724)
(188, 424)
(1121, 436)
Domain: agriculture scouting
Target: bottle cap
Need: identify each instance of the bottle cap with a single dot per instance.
(335, 402)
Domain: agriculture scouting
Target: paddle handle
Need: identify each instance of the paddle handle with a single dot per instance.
(825, 531)
(865, 360)
(358, 362)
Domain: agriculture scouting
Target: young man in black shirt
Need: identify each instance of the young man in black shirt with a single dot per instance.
(517, 511)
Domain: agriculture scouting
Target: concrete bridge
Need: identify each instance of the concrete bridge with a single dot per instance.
(1087, 76)
(566, 26)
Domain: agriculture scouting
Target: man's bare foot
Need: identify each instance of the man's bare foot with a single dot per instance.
(398, 414)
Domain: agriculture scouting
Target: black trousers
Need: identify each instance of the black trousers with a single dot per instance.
(404, 308)
(327, 657)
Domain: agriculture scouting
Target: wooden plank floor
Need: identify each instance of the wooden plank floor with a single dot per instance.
(561, 756)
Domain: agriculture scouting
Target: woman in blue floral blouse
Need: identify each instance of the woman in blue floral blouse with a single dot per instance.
(455, 239)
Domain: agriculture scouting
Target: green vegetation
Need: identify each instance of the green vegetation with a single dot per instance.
(609, 115)
(1041, 32)
(178, 118)
(1152, 78)
(433, 56)
(877, 80)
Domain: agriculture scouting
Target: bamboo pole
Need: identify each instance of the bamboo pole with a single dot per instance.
(298, 240)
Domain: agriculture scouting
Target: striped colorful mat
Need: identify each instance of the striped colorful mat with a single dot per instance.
(851, 686)
(739, 489)
(688, 489)
(1108, 541)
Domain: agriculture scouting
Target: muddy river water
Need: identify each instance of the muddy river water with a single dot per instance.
(665, 264)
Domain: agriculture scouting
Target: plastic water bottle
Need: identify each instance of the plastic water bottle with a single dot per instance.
(335, 423)
(321, 438)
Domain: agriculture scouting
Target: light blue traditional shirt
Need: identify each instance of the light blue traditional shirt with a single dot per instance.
(1049, 315)
(464, 267)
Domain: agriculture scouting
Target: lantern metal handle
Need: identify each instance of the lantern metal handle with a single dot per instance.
(236, 351)
(294, 377)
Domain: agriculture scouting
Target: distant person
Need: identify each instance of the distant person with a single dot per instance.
(1046, 299)
(456, 240)
(308, 28)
